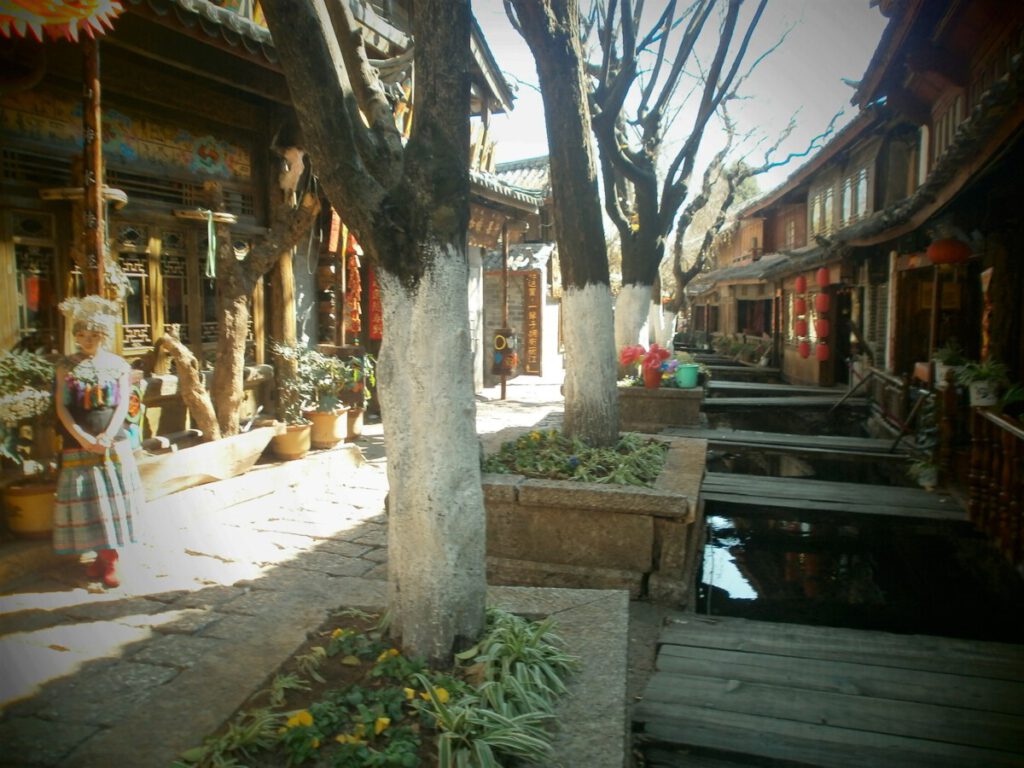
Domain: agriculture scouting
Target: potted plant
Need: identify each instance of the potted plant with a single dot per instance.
(357, 391)
(983, 381)
(653, 362)
(26, 439)
(325, 377)
(950, 356)
(293, 394)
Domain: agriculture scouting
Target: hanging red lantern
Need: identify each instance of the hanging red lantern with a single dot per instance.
(804, 348)
(800, 306)
(800, 327)
(823, 278)
(800, 285)
(821, 352)
(821, 327)
(948, 251)
(822, 302)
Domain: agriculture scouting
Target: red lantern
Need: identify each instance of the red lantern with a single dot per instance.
(800, 306)
(823, 278)
(804, 348)
(821, 352)
(801, 284)
(948, 251)
(821, 327)
(800, 327)
(822, 302)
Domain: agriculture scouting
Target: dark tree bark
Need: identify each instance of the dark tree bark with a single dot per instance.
(551, 29)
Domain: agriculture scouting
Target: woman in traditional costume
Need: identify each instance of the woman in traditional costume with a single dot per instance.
(99, 492)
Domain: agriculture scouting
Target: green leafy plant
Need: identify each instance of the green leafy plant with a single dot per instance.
(990, 370)
(26, 400)
(362, 377)
(309, 380)
(950, 353)
(634, 460)
(492, 709)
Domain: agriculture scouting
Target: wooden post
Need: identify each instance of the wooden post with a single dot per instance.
(92, 151)
(504, 289)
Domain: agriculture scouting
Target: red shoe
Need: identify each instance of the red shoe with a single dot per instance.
(94, 570)
(109, 576)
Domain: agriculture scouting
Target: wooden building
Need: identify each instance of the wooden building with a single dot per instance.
(845, 243)
(192, 96)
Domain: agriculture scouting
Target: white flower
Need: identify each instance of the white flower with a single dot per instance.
(24, 405)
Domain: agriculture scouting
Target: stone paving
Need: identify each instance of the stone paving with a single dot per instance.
(225, 583)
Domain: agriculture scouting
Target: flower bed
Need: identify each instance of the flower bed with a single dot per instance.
(570, 533)
(651, 410)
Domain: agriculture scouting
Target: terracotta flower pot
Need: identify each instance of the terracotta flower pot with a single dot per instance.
(293, 443)
(355, 424)
(30, 508)
(328, 429)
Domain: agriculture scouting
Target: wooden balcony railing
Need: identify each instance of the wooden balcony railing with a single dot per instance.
(997, 481)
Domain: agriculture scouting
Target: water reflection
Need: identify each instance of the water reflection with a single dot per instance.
(887, 574)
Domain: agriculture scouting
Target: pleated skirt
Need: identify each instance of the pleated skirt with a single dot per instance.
(98, 500)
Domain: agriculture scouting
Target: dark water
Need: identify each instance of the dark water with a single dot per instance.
(882, 574)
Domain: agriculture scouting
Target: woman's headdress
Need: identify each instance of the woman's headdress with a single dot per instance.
(94, 313)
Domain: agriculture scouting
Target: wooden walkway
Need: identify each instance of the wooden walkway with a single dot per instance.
(816, 446)
(802, 496)
(796, 401)
(759, 691)
(717, 388)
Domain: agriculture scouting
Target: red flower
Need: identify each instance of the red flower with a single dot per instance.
(630, 355)
(654, 356)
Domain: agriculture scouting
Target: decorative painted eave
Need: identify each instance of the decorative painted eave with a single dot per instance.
(216, 22)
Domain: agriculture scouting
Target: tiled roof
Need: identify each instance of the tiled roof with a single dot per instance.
(531, 174)
(215, 21)
(494, 184)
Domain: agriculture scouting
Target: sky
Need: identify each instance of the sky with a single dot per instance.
(829, 40)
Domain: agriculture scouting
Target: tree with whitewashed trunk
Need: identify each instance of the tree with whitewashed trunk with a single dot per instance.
(408, 203)
(551, 29)
(643, 188)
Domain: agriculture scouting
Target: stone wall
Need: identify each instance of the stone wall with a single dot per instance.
(564, 533)
(651, 410)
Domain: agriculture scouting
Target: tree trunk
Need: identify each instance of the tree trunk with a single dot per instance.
(436, 548)
(190, 386)
(234, 287)
(409, 207)
(632, 306)
(551, 29)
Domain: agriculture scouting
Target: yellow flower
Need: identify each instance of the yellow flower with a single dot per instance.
(439, 693)
(337, 633)
(535, 436)
(302, 717)
(410, 694)
(380, 725)
(316, 743)
(387, 655)
(348, 738)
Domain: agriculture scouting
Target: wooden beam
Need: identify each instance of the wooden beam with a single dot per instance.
(946, 64)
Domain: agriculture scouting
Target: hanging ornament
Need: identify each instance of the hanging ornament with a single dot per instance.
(800, 285)
(800, 327)
(800, 306)
(823, 278)
(804, 348)
(821, 327)
(948, 251)
(822, 302)
(821, 352)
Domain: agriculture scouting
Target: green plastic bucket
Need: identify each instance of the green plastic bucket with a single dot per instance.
(686, 375)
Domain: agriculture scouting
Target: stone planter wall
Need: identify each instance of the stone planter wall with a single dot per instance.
(651, 410)
(563, 533)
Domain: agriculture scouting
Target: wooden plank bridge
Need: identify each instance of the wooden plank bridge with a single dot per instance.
(728, 690)
(802, 496)
(817, 401)
(816, 446)
(716, 388)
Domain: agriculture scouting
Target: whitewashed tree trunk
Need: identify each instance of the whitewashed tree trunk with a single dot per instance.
(631, 310)
(436, 556)
(591, 396)
(662, 324)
